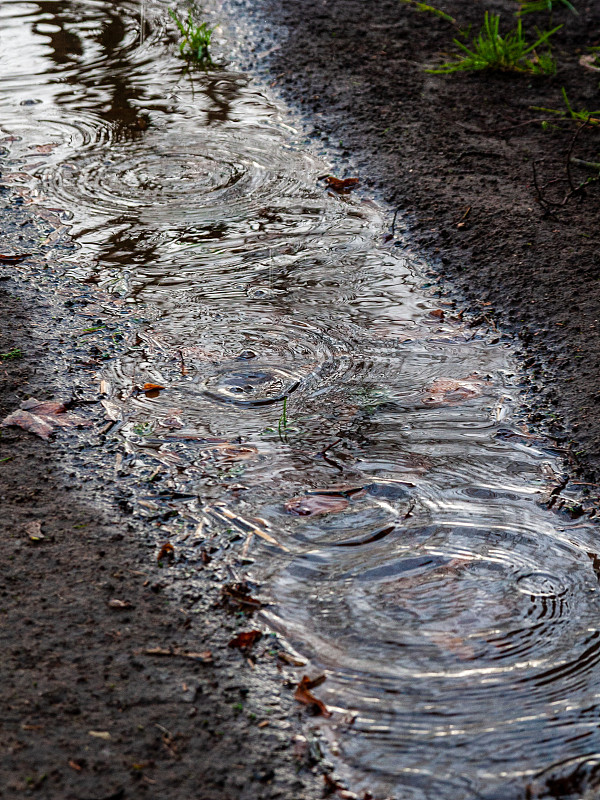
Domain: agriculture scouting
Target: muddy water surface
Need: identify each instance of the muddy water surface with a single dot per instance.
(293, 382)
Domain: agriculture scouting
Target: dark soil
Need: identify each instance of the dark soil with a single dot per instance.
(456, 153)
(88, 711)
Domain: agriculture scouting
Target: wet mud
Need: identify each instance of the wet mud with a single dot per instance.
(282, 419)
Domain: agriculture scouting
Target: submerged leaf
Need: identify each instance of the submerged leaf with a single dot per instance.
(311, 504)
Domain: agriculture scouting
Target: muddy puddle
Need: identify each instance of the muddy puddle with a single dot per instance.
(294, 386)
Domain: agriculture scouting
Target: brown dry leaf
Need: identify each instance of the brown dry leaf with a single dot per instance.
(100, 735)
(119, 605)
(341, 185)
(311, 504)
(34, 530)
(447, 391)
(44, 149)
(245, 640)
(166, 553)
(304, 695)
(14, 259)
(205, 656)
(42, 417)
(74, 765)
(288, 659)
(437, 313)
(237, 597)
(152, 389)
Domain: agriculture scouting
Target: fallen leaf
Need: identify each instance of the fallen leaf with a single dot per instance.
(120, 605)
(245, 640)
(447, 391)
(288, 659)
(311, 504)
(205, 656)
(152, 389)
(42, 417)
(44, 149)
(166, 553)
(34, 530)
(263, 724)
(74, 765)
(341, 185)
(304, 695)
(14, 259)
(237, 597)
(438, 313)
(100, 735)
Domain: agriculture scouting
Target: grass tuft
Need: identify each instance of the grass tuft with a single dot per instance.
(195, 39)
(509, 53)
(534, 6)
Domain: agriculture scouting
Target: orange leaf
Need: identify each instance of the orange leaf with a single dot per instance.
(245, 639)
(341, 185)
(305, 696)
(152, 389)
(166, 552)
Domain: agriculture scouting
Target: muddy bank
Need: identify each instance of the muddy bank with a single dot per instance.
(116, 682)
(456, 153)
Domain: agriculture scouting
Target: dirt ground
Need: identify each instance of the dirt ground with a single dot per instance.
(108, 688)
(456, 155)
(117, 679)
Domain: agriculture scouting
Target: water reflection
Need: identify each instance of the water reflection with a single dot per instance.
(297, 357)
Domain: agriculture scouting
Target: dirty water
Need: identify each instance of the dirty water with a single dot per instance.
(294, 383)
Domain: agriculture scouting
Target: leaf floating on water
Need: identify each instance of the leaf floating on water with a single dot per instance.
(341, 185)
(312, 504)
(42, 417)
(305, 696)
(447, 391)
(152, 390)
(245, 640)
(166, 553)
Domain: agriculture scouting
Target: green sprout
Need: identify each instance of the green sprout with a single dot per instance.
(533, 6)
(509, 53)
(195, 39)
(12, 354)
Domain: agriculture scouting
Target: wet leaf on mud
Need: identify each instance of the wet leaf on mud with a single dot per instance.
(237, 597)
(100, 735)
(205, 656)
(152, 389)
(437, 313)
(341, 185)
(311, 504)
(447, 391)
(291, 660)
(166, 553)
(305, 696)
(245, 640)
(42, 417)
(34, 530)
(119, 605)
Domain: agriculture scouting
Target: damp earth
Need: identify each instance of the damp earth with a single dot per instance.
(278, 383)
